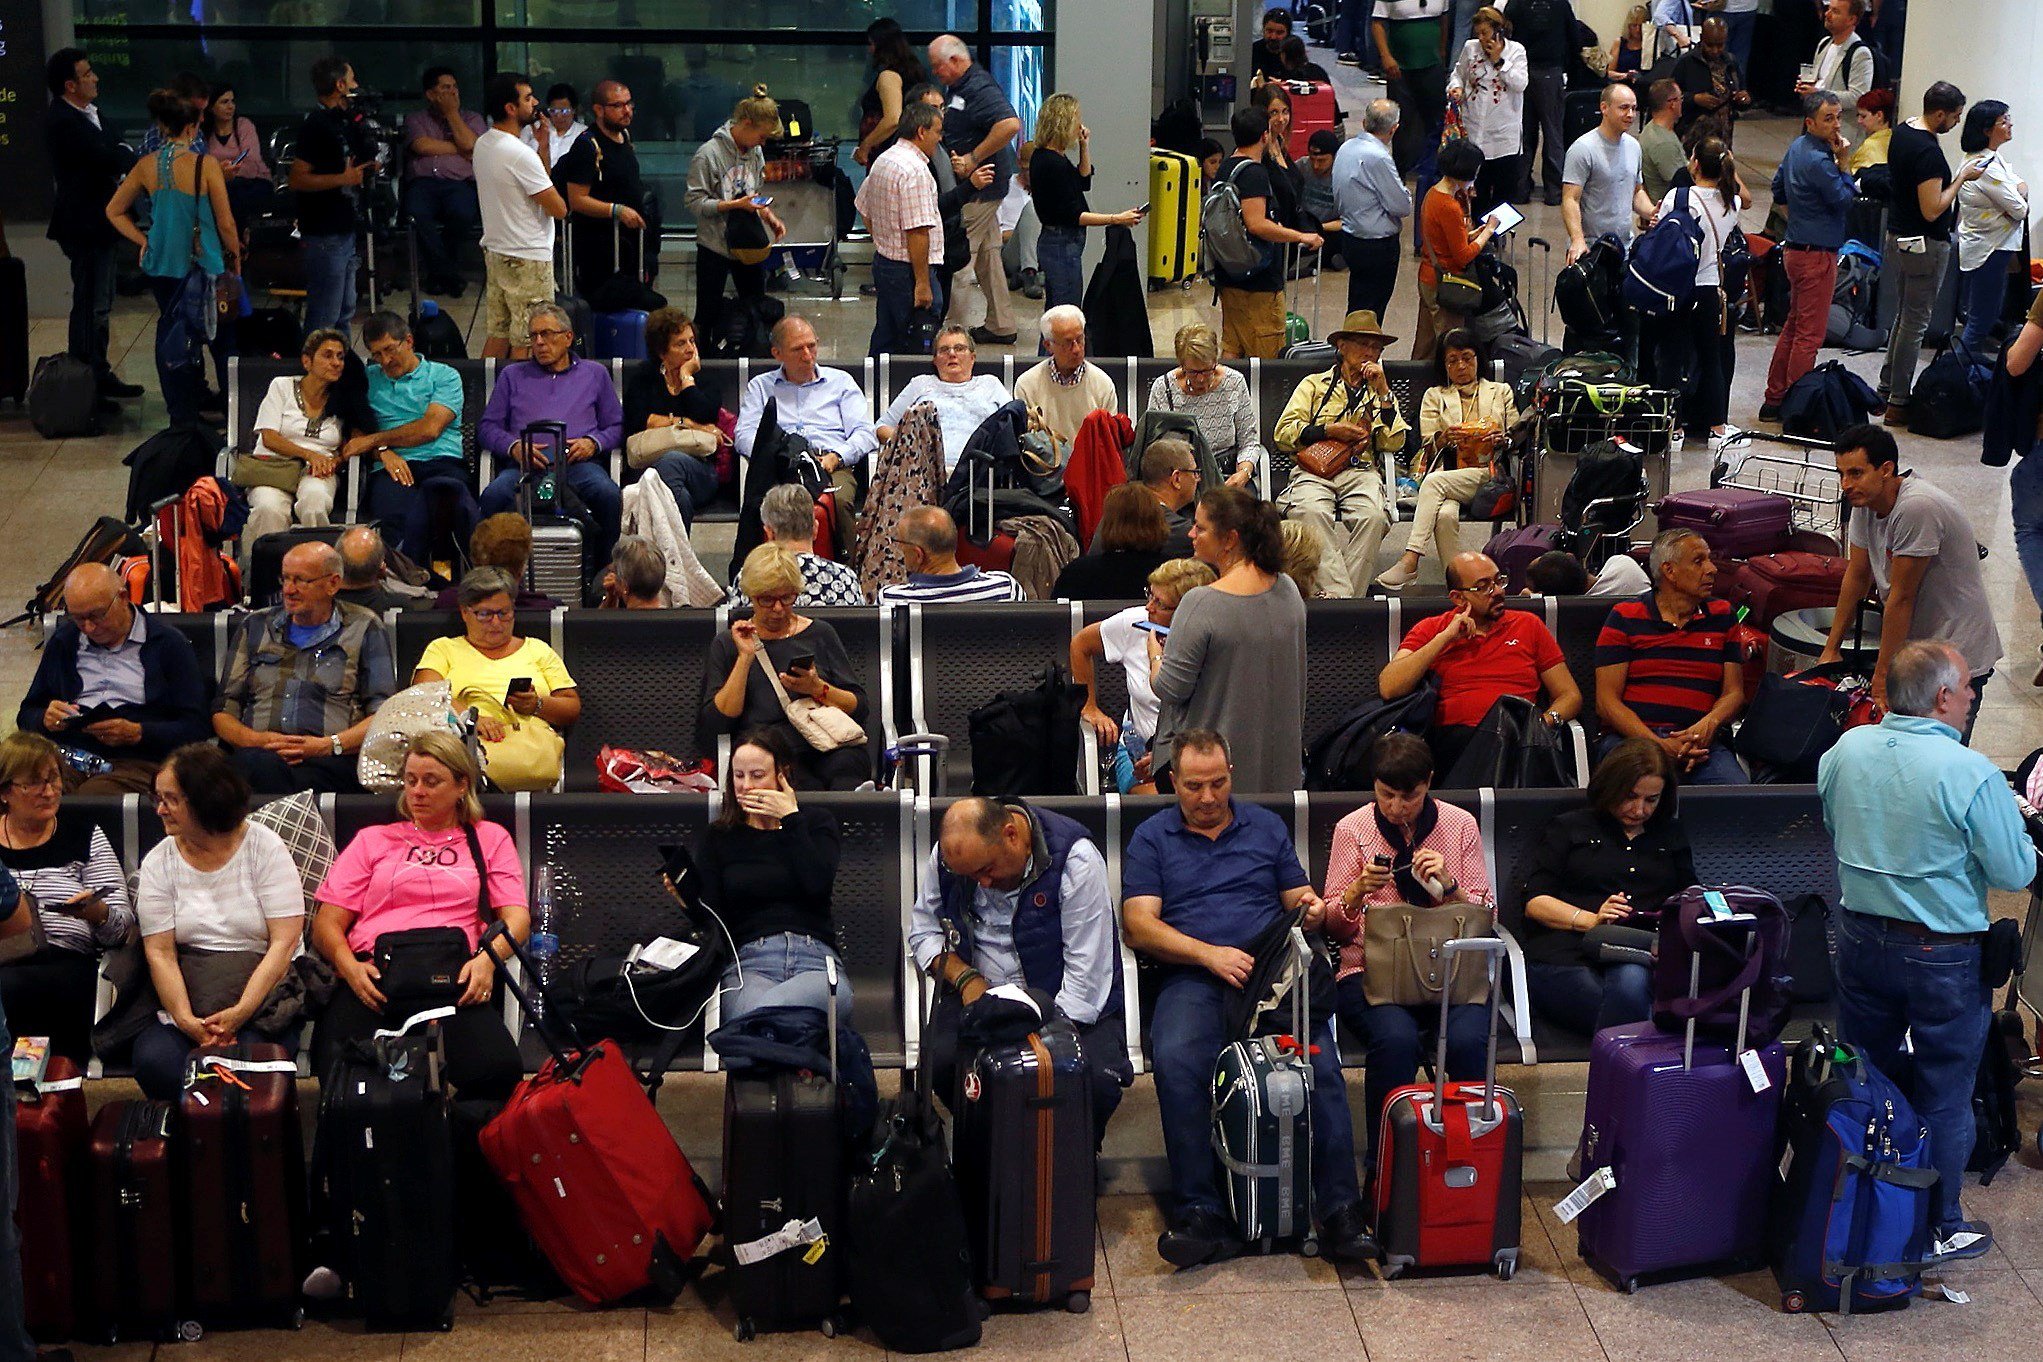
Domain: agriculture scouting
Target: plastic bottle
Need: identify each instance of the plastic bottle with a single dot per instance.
(544, 944)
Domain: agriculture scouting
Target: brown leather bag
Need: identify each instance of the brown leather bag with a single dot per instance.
(1328, 458)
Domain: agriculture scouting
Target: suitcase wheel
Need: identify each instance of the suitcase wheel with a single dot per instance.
(1078, 1302)
(190, 1331)
(1792, 1302)
(1628, 1285)
(1310, 1248)
(830, 1326)
(746, 1330)
(1507, 1268)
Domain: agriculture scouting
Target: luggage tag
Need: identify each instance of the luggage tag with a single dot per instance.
(1755, 1072)
(1579, 1200)
(1719, 907)
(1953, 1294)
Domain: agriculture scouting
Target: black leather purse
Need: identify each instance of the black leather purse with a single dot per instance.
(420, 968)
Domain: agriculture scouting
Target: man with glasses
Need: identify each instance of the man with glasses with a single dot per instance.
(1170, 470)
(557, 385)
(1479, 652)
(616, 254)
(420, 472)
(117, 689)
(1064, 389)
(825, 406)
(302, 680)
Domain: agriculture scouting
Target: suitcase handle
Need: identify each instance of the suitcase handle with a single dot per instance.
(1492, 950)
(568, 1064)
(556, 429)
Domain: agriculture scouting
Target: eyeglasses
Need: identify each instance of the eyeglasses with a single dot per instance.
(1158, 599)
(615, 103)
(954, 349)
(1483, 587)
(540, 333)
(293, 579)
(91, 616)
(491, 616)
(164, 799)
(782, 601)
(33, 783)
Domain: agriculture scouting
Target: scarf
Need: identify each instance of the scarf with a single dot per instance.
(1409, 890)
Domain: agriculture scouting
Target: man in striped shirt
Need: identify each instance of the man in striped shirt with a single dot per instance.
(898, 201)
(1665, 666)
(928, 539)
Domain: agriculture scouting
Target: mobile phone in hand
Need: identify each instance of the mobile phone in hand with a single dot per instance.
(802, 662)
(519, 685)
(1160, 630)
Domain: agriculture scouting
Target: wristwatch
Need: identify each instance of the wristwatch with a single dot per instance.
(338, 750)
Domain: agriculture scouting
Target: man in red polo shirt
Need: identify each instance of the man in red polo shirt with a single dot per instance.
(1480, 651)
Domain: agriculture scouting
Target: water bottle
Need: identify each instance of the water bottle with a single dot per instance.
(544, 944)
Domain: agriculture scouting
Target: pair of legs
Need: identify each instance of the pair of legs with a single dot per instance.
(1546, 87)
(1984, 292)
(272, 510)
(512, 285)
(1061, 252)
(982, 233)
(181, 383)
(691, 480)
(51, 993)
(1251, 323)
(1586, 998)
(1353, 33)
(161, 1052)
(2025, 502)
(1400, 1039)
(1351, 516)
(435, 500)
(1496, 182)
(1721, 767)
(1812, 278)
(1435, 321)
(329, 281)
(268, 773)
(786, 969)
(438, 209)
(590, 480)
(129, 775)
(713, 272)
(1372, 272)
(92, 300)
(894, 300)
(1436, 522)
(1918, 276)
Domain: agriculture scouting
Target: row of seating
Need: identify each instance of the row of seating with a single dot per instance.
(925, 668)
(605, 867)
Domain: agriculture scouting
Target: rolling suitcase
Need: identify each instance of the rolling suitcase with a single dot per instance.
(13, 329)
(1513, 550)
(243, 1177)
(50, 1135)
(1678, 1127)
(1737, 522)
(1262, 1128)
(1025, 1166)
(391, 1220)
(1174, 193)
(559, 524)
(1298, 332)
(1450, 1159)
(1313, 107)
(783, 1190)
(1581, 111)
(1773, 584)
(621, 334)
(605, 1192)
(580, 319)
(130, 1272)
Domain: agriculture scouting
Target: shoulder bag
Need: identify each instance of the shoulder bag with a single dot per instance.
(1458, 293)
(824, 727)
(1402, 963)
(1325, 458)
(528, 756)
(644, 449)
(420, 968)
(188, 320)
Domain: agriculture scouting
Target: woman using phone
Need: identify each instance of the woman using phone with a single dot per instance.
(1058, 189)
(766, 866)
(1122, 640)
(1489, 82)
(1611, 864)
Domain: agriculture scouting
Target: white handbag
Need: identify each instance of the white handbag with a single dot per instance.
(644, 449)
(824, 727)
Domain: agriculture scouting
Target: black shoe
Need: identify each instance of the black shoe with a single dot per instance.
(1553, 197)
(985, 337)
(1344, 1236)
(109, 386)
(1771, 411)
(1199, 1237)
(1349, 58)
(106, 406)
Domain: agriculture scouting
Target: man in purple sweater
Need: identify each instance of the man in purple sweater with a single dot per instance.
(555, 385)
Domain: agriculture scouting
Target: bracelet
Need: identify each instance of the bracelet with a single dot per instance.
(613, 212)
(967, 977)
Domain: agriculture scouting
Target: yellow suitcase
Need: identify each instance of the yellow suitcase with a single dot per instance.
(1174, 192)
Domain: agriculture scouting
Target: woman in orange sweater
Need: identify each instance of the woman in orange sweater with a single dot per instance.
(1450, 244)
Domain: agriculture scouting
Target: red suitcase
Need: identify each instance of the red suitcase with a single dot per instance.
(1775, 583)
(50, 1126)
(129, 1282)
(600, 1184)
(1312, 107)
(244, 1184)
(1737, 521)
(1449, 1160)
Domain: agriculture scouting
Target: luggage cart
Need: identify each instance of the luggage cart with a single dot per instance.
(1645, 420)
(807, 204)
(1805, 472)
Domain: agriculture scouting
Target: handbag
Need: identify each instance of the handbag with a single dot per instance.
(189, 319)
(425, 708)
(420, 967)
(22, 945)
(267, 470)
(527, 757)
(1327, 458)
(644, 449)
(1461, 293)
(1402, 960)
(823, 727)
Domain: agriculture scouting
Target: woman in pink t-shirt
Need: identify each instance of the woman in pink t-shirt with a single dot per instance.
(443, 865)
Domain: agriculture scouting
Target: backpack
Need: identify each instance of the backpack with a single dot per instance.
(1168, 422)
(1718, 966)
(1604, 472)
(1588, 291)
(1854, 302)
(1226, 250)
(107, 540)
(1826, 400)
(1338, 759)
(1025, 742)
(1995, 1115)
(1659, 279)
(63, 397)
(1883, 73)
(745, 330)
(1949, 399)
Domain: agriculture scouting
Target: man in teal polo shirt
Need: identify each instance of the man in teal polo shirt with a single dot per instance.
(1924, 826)
(421, 478)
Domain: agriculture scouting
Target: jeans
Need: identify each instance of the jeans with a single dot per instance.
(407, 514)
(1400, 1039)
(1812, 278)
(1353, 31)
(1186, 1036)
(1372, 272)
(1978, 694)
(92, 300)
(2025, 501)
(1060, 254)
(1587, 998)
(161, 1051)
(1543, 94)
(782, 970)
(181, 385)
(1739, 39)
(691, 480)
(590, 479)
(1463, 23)
(712, 272)
(1982, 292)
(1889, 983)
(15, 1344)
(894, 307)
(1693, 357)
(51, 993)
(1917, 277)
(1721, 767)
(329, 281)
(436, 208)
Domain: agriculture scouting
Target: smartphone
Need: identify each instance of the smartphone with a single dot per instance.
(1160, 630)
(762, 200)
(519, 685)
(802, 662)
(1144, 209)
(1382, 862)
(676, 864)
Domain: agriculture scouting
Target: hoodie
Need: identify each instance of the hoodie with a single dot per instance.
(720, 171)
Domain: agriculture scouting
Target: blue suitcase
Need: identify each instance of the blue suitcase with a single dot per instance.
(620, 335)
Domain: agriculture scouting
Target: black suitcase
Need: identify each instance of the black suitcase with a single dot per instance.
(391, 1214)
(265, 582)
(581, 318)
(63, 397)
(13, 329)
(129, 1286)
(783, 1165)
(1024, 1145)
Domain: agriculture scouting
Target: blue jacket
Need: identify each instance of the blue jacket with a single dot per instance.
(1816, 192)
(175, 706)
(1923, 825)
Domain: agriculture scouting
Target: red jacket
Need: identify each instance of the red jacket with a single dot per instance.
(1099, 463)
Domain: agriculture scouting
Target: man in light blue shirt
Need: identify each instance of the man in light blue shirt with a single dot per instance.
(1923, 827)
(826, 407)
(1374, 204)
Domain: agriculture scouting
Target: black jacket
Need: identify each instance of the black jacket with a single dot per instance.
(2013, 408)
(1116, 302)
(175, 708)
(88, 164)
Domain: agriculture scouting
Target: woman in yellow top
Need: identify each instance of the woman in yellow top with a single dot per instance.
(1876, 116)
(1451, 474)
(520, 686)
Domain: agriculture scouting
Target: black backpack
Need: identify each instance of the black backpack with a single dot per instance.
(1995, 1116)
(745, 330)
(1025, 742)
(1826, 400)
(1338, 759)
(1603, 473)
(1589, 293)
(1949, 399)
(63, 397)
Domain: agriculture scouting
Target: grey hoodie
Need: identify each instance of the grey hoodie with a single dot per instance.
(720, 171)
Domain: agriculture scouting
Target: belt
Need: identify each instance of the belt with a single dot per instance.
(1805, 246)
(1895, 926)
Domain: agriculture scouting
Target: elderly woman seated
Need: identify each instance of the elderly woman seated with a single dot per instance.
(1216, 397)
(962, 399)
(759, 674)
(1462, 421)
(636, 578)
(520, 686)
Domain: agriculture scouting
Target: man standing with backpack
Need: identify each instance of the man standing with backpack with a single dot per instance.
(1845, 63)
(1918, 244)
(1813, 184)
(1251, 282)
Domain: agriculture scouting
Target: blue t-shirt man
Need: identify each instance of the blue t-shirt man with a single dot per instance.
(400, 401)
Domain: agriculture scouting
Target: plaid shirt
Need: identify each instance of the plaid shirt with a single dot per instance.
(898, 194)
(342, 677)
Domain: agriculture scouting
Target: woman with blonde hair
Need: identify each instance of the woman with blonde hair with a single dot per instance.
(1216, 397)
(1628, 53)
(726, 179)
(1057, 188)
(1303, 552)
(1120, 640)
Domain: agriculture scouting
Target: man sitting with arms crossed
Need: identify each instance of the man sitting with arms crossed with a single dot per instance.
(1203, 882)
(1479, 651)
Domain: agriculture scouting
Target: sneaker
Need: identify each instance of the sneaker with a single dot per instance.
(1771, 413)
(1396, 577)
(1730, 436)
(985, 337)
(1344, 1236)
(1677, 441)
(1349, 58)
(1031, 284)
(322, 1284)
(1966, 1239)
(1200, 1237)
(110, 386)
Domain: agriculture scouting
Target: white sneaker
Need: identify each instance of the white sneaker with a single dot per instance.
(1729, 437)
(1677, 441)
(323, 1284)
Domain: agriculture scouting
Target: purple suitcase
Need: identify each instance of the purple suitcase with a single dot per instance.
(1737, 522)
(1513, 550)
(1691, 1147)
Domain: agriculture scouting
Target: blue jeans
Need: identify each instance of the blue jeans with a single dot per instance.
(436, 208)
(1983, 292)
(1186, 1036)
(1587, 998)
(180, 385)
(1352, 30)
(329, 281)
(92, 300)
(1890, 982)
(2025, 501)
(1400, 1039)
(406, 513)
(161, 1051)
(1722, 767)
(1462, 27)
(783, 970)
(894, 290)
(590, 479)
(1739, 39)
(1060, 254)
(691, 480)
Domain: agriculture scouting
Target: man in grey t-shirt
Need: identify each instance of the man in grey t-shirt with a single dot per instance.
(1913, 545)
(1601, 189)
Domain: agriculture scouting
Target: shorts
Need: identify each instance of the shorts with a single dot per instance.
(512, 287)
(1251, 324)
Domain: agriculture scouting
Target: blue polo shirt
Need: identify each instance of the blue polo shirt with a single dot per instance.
(1225, 890)
(400, 401)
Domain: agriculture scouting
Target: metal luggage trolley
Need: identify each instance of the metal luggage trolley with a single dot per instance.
(1805, 473)
(807, 205)
(1569, 424)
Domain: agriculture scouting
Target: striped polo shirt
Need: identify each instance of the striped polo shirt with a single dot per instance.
(1673, 673)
